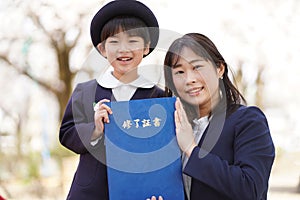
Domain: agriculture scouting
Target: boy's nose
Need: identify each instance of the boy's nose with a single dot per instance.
(123, 47)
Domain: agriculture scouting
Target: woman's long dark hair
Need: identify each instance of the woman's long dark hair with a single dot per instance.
(204, 47)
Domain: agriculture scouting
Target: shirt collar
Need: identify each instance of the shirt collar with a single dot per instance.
(204, 119)
(107, 80)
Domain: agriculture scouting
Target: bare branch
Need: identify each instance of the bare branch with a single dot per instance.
(6, 60)
(75, 40)
(7, 112)
(44, 84)
(36, 20)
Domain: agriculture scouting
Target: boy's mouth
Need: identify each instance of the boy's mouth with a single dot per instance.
(124, 59)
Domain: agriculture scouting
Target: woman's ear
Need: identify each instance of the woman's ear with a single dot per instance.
(221, 70)
(101, 49)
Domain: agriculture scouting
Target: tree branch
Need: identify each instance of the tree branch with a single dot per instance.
(75, 40)
(36, 20)
(47, 86)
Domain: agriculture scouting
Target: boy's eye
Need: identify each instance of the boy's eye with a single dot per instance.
(113, 41)
(133, 41)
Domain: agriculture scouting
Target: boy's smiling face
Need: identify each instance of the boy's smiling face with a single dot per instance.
(124, 52)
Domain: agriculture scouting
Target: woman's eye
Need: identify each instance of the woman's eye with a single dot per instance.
(178, 72)
(197, 67)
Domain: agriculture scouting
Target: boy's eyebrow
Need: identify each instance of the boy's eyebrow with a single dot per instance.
(113, 36)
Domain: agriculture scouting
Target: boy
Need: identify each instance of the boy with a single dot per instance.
(120, 32)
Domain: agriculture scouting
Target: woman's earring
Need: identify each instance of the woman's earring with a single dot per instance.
(221, 93)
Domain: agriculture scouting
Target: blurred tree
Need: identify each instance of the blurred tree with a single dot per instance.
(47, 42)
(53, 29)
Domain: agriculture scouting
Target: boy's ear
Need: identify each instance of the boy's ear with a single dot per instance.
(101, 49)
(147, 49)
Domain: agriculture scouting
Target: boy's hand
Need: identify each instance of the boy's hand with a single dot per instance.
(154, 198)
(100, 117)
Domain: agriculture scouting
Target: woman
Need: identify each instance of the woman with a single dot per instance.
(227, 148)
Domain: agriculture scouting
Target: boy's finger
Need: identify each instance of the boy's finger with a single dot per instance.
(106, 107)
(104, 100)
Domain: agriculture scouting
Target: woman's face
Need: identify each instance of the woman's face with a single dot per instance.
(197, 80)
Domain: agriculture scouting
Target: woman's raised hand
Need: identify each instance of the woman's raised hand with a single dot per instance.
(184, 131)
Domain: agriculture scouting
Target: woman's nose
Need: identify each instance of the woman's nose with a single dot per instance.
(190, 77)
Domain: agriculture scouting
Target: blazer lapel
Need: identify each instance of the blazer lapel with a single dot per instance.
(89, 93)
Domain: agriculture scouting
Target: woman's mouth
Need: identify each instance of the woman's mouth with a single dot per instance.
(194, 91)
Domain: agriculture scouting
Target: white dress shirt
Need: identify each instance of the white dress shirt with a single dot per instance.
(199, 128)
(123, 91)
(120, 90)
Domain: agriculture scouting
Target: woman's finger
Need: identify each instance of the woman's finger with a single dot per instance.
(181, 112)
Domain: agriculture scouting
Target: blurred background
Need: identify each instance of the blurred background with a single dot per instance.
(45, 49)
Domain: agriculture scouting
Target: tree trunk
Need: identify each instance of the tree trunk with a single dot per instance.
(65, 75)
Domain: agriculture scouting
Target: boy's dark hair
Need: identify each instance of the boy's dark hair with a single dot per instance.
(134, 13)
(131, 25)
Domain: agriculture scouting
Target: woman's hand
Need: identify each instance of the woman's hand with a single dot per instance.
(154, 198)
(100, 117)
(184, 131)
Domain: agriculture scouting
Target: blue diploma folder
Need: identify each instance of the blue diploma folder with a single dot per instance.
(142, 154)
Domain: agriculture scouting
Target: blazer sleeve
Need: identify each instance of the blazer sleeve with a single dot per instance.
(76, 130)
(253, 153)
